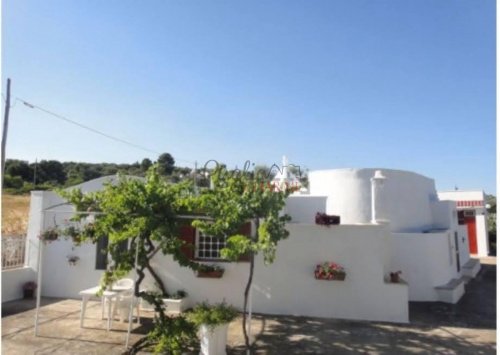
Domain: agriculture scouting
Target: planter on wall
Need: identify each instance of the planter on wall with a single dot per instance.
(175, 305)
(326, 220)
(216, 274)
(338, 276)
(213, 339)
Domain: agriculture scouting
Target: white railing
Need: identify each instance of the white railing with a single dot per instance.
(13, 252)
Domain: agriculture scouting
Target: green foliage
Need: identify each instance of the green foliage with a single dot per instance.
(109, 277)
(235, 199)
(212, 315)
(166, 164)
(52, 174)
(141, 211)
(170, 335)
(146, 164)
(12, 182)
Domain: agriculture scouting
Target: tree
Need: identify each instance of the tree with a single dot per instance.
(491, 200)
(50, 171)
(19, 168)
(235, 199)
(166, 164)
(146, 164)
(148, 215)
(145, 214)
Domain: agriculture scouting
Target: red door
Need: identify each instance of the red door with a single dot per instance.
(471, 231)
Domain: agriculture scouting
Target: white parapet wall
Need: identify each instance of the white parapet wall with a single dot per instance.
(427, 261)
(303, 208)
(13, 281)
(288, 285)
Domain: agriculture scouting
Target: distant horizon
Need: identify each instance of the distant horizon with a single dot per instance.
(305, 171)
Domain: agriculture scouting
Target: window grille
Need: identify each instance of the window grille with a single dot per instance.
(208, 247)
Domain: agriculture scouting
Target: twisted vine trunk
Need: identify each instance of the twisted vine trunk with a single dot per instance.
(150, 253)
(248, 287)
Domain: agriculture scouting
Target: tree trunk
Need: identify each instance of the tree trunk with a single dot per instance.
(245, 302)
(248, 287)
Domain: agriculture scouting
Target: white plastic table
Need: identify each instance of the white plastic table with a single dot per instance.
(106, 295)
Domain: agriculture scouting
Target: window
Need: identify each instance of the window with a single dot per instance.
(101, 256)
(209, 247)
(198, 246)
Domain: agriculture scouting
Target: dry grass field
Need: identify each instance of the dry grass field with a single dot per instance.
(15, 212)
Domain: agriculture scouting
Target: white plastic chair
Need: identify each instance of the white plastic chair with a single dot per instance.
(120, 285)
(123, 284)
(122, 306)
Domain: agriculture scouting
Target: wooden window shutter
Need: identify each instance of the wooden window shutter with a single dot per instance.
(101, 255)
(188, 235)
(245, 229)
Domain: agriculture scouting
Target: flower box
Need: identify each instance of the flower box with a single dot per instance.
(338, 276)
(329, 271)
(175, 306)
(210, 271)
(215, 274)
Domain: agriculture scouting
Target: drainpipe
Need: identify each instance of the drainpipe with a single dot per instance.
(377, 181)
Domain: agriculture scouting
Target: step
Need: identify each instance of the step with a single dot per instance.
(471, 268)
(451, 292)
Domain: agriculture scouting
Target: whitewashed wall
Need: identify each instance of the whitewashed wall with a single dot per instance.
(444, 214)
(303, 208)
(288, 286)
(13, 281)
(458, 195)
(405, 199)
(427, 260)
(482, 235)
(59, 279)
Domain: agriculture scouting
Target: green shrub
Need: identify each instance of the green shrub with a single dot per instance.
(212, 315)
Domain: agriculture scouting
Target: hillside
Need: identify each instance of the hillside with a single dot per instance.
(15, 212)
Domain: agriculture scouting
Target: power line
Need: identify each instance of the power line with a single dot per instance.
(123, 141)
(87, 127)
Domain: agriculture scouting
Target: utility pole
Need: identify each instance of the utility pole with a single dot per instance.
(34, 172)
(5, 127)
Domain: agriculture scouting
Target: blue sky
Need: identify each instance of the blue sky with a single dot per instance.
(332, 84)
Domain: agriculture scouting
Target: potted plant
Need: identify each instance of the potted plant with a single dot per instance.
(73, 233)
(177, 302)
(49, 234)
(29, 289)
(329, 271)
(211, 271)
(395, 276)
(326, 220)
(212, 322)
(72, 259)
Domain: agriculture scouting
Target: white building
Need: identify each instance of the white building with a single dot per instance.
(390, 221)
(471, 210)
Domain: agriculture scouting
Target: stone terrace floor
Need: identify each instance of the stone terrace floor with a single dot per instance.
(468, 327)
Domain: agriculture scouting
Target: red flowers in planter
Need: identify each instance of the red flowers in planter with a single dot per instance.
(329, 271)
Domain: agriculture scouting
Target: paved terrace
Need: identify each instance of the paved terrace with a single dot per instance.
(468, 327)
